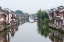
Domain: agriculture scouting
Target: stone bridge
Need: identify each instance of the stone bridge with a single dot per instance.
(33, 16)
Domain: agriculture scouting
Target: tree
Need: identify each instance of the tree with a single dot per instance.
(26, 14)
(43, 19)
(44, 15)
(46, 22)
(18, 12)
(38, 16)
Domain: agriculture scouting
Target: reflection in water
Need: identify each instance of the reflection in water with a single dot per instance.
(31, 20)
(28, 30)
(54, 35)
(43, 31)
(5, 36)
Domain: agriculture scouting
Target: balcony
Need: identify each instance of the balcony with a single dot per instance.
(58, 16)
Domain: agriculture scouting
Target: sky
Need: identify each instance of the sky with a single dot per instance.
(30, 6)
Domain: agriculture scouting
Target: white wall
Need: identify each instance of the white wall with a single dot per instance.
(7, 18)
(10, 15)
(1, 19)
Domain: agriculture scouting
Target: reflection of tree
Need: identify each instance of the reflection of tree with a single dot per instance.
(43, 31)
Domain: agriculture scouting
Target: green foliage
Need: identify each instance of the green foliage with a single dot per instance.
(38, 16)
(5, 29)
(46, 22)
(42, 14)
(6, 23)
(43, 19)
(43, 31)
(18, 12)
(61, 30)
(25, 14)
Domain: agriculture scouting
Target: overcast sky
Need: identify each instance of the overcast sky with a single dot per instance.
(30, 6)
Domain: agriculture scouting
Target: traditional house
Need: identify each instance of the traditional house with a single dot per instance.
(11, 16)
(2, 17)
(7, 16)
(14, 18)
(57, 16)
(58, 20)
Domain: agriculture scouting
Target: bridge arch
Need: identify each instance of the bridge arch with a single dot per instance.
(34, 16)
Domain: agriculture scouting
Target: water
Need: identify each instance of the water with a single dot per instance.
(29, 32)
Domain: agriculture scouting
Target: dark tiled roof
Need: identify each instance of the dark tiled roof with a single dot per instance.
(60, 9)
(51, 11)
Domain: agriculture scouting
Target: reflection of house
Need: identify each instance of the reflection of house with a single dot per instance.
(1, 37)
(57, 16)
(55, 36)
(5, 36)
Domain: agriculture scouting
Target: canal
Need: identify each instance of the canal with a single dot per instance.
(29, 32)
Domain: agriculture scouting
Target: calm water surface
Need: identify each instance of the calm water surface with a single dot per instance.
(28, 33)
